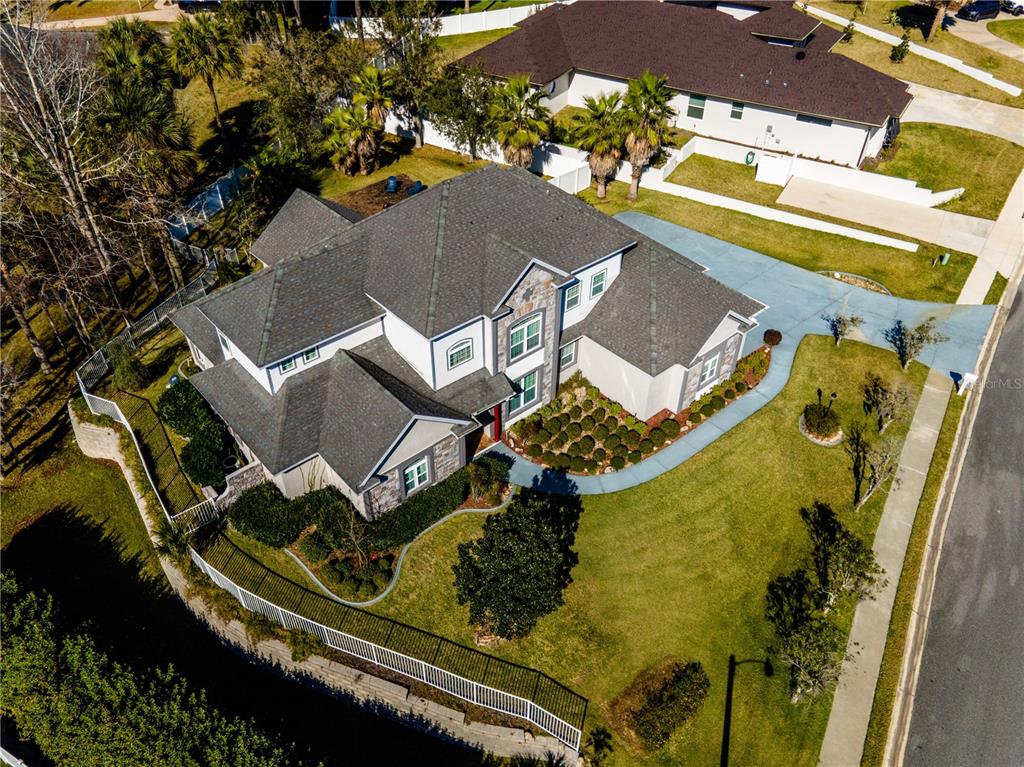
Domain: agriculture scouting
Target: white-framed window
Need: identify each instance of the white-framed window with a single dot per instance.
(710, 370)
(525, 337)
(527, 394)
(416, 476)
(736, 113)
(311, 354)
(597, 283)
(812, 120)
(695, 107)
(460, 353)
(572, 296)
(567, 356)
(288, 365)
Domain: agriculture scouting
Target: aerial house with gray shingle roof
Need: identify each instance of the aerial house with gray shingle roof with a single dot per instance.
(371, 355)
(759, 74)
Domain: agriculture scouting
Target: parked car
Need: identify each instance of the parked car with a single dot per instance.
(978, 10)
(191, 6)
(1016, 7)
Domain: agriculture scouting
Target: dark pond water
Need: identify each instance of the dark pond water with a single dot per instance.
(140, 622)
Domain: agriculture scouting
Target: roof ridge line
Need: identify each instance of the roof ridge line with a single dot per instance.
(269, 320)
(651, 271)
(435, 277)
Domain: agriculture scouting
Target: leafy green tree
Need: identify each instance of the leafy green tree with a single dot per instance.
(908, 343)
(373, 89)
(207, 46)
(901, 50)
(520, 120)
(841, 324)
(815, 656)
(647, 114)
(887, 401)
(515, 573)
(407, 33)
(352, 139)
(459, 107)
(844, 564)
(601, 131)
(129, 373)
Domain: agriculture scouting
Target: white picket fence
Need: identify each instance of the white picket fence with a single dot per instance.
(455, 24)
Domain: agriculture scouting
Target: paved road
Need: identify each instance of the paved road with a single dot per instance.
(977, 32)
(931, 105)
(969, 704)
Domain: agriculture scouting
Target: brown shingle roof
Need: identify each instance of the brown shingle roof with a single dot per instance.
(700, 50)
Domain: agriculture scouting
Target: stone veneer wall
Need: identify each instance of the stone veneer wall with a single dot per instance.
(729, 352)
(446, 458)
(535, 292)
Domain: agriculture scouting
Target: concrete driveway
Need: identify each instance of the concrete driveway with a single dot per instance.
(930, 105)
(796, 299)
(977, 32)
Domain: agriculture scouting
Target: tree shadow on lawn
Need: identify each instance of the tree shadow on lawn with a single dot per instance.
(139, 621)
(562, 507)
(243, 138)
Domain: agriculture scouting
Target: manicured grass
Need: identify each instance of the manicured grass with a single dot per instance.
(909, 275)
(679, 566)
(454, 47)
(995, 290)
(917, 18)
(916, 69)
(1011, 30)
(275, 559)
(428, 164)
(723, 177)
(892, 659)
(63, 10)
(942, 157)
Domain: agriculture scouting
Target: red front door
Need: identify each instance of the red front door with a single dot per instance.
(496, 436)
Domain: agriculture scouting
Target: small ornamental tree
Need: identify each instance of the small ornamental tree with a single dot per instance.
(841, 324)
(844, 564)
(515, 573)
(887, 401)
(815, 657)
(820, 419)
(901, 49)
(129, 373)
(908, 343)
(848, 32)
(459, 108)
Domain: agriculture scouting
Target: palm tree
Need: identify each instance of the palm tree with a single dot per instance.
(374, 89)
(130, 49)
(647, 114)
(600, 131)
(352, 139)
(207, 46)
(520, 121)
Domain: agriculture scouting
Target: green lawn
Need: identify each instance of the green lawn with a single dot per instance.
(454, 47)
(63, 10)
(909, 275)
(1011, 30)
(723, 177)
(678, 566)
(942, 157)
(916, 18)
(892, 659)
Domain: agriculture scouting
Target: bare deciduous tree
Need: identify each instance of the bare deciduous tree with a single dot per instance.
(887, 401)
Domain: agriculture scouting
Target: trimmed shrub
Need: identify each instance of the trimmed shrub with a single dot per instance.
(611, 423)
(614, 408)
(129, 373)
(632, 438)
(600, 455)
(315, 548)
(729, 394)
(381, 579)
(635, 457)
(665, 700)
(717, 402)
(332, 514)
(201, 464)
(264, 514)
(612, 441)
(587, 444)
(593, 393)
(622, 430)
(646, 446)
(574, 430)
(577, 464)
(657, 436)
(183, 408)
(574, 449)
(590, 465)
(741, 386)
(820, 420)
(366, 591)
(553, 425)
(695, 416)
(773, 337)
(618, 462)
(707, 410)
(599, 414)
(755, 363)
(620, 450)
(575, 412)
(548, 458)
(562, 436)
(588, 404)
(587, 422)
(557, 443)
(422, 509)
(534, 450)
(562, 461)
(601, 432)
(541, 436)
(670, 428)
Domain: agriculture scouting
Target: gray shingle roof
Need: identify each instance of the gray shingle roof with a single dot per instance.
(700, 50)
(660, 310)
(304, 221)
(190, 321)
(350, 409)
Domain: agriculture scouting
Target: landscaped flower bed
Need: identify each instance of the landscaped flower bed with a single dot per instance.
(584, 432)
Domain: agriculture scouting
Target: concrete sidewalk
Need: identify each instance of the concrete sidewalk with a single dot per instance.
(931, 105)
(977, 33)
(950, 230)
(851, 707)
(164, 11)
(1002, 250)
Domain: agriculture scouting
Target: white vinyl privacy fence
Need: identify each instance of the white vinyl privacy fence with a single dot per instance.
(455, 24)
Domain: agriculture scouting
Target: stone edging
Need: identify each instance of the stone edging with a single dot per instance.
(832, 441)
(376, 695)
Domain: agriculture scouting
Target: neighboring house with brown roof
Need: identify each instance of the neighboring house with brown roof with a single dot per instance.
(760, 74)
(372, 355)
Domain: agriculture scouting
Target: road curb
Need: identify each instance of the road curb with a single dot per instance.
(902, 710)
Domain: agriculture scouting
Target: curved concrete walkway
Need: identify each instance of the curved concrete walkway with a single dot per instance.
(978, 33)
(796, 299)
(931, 105)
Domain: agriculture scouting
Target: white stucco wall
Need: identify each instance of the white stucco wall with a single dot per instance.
(314, 474)
(413, 347)
(612, 266)
(350, 339)
(728, 327)
(616, 378)
(233, 352)
(421, 436)
(473, 332)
